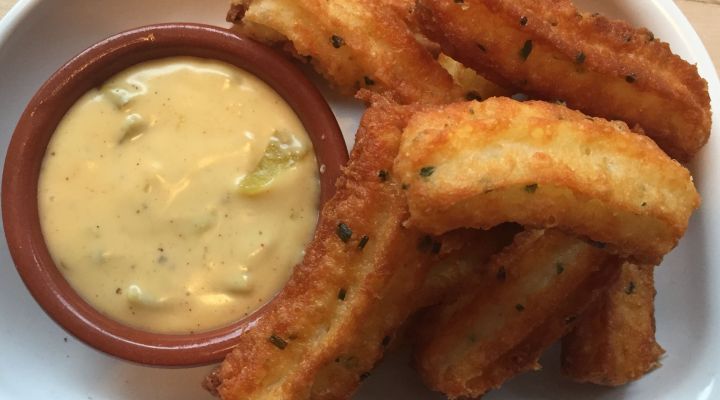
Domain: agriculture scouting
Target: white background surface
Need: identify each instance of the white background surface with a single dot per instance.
(38, 360)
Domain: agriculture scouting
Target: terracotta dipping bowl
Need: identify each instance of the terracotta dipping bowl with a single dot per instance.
(27, 149)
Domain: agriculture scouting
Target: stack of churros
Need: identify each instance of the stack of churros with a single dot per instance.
(497, 226)
(590, 194)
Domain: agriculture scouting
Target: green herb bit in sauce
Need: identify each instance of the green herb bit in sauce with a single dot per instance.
(526, 50)
(132, 128)
(278, 342)
(531, 188)
(282, 152)
(341, 294)
(119, 97)
(427, 171)
(559, 268)
(337, 41)
(136, 296)
(344, 232)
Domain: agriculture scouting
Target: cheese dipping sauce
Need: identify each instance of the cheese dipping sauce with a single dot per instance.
(178, 196)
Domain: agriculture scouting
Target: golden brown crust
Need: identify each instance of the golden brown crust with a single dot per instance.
(543, 165)
(353, 44)
(508, 313)
(603, 67)
(463, 253)
(614, 341)
(329, 322)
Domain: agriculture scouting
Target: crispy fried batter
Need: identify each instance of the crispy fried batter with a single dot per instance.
(603, 67)
(463, 253)
(327, 327)
(353, 44)
(614, 341)
(502, 320)
(543, 165)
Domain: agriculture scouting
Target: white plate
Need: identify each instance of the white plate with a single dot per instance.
(38, 360)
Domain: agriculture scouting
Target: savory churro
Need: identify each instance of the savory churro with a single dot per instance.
(543, 165)
(603, 67)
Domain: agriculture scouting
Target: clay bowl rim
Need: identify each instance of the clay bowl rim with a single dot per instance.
(37, 124)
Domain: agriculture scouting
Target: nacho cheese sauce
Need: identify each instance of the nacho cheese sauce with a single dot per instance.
(177, 197)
